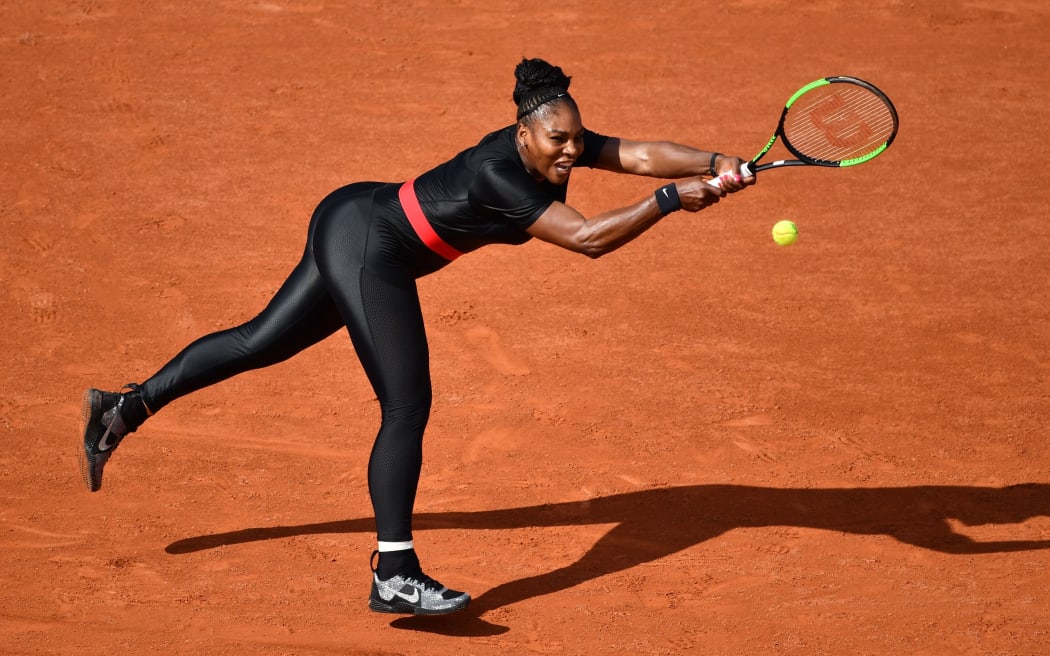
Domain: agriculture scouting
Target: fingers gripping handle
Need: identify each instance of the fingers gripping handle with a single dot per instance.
(745, 170)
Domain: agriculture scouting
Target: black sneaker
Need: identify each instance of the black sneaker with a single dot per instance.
(414, 594)
(104, 428)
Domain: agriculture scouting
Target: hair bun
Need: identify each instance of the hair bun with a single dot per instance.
(533, 74)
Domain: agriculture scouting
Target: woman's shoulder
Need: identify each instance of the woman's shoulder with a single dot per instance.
(498, 142)
(496, 155)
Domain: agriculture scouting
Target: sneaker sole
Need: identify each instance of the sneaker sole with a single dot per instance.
(405, 608)
(90, 406)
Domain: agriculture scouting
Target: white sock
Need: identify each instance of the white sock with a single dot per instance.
(395, 546)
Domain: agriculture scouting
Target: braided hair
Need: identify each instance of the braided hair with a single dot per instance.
(539, 84)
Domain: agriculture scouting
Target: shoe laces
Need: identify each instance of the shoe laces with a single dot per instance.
(422, 580)
(416, 578)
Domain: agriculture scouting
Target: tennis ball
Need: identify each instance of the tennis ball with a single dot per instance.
(785, 233)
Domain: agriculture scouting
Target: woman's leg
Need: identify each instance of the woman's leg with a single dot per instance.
(386, 326)
(385, 323)
(375, 290)
(393, 347)
(300, 315)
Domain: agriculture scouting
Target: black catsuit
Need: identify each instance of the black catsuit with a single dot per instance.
(359, 270)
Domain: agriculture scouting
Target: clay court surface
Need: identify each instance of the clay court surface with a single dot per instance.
(701, 443)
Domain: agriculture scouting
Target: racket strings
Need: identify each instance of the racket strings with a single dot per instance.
(838, 122)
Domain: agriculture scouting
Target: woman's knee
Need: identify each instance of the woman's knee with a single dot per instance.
(410, 414)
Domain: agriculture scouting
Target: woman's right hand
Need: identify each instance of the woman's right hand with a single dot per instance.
(696, 194)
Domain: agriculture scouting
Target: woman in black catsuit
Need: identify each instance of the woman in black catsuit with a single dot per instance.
(369, 242)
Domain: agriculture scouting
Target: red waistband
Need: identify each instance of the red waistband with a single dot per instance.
(425, 231)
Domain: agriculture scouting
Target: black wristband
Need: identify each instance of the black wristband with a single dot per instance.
(711, 166)
(668, 200)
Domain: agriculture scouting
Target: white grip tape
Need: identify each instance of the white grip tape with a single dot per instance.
(745, 170)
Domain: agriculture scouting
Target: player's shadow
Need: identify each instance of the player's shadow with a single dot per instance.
(651, 524)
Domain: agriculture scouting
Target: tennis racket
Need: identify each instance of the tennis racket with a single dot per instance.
(835, 121)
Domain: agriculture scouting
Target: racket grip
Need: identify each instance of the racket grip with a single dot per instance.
(745, 170)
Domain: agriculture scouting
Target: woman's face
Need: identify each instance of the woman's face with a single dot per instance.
(551, 142)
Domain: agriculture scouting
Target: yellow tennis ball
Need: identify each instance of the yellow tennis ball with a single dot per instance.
(785, 233)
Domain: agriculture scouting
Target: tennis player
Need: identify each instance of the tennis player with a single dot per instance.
(367, 244)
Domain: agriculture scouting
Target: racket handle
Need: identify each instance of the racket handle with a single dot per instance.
(745, 170)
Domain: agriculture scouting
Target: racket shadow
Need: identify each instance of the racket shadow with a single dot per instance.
(652, 524)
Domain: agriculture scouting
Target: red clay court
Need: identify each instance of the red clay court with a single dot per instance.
(702, 443)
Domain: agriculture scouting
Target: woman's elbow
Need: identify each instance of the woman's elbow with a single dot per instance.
(594, 248)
